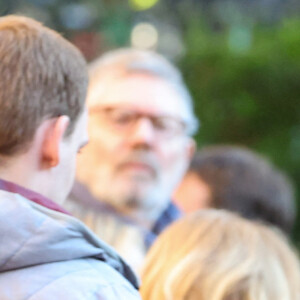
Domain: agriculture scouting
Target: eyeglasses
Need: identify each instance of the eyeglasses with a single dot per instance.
(123, 120)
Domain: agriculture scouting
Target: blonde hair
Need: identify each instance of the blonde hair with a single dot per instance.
(216, 255)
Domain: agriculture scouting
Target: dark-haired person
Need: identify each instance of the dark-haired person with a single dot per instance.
(239, 180)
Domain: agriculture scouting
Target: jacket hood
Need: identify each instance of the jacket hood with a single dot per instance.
(35, 235)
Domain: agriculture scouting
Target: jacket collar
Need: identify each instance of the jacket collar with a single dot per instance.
(31, 195)
(55, 233)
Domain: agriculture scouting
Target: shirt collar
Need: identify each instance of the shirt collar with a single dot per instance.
(168, 216)
(81, 194)
(30, 195)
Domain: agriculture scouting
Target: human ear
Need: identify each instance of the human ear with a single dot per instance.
(54, 134)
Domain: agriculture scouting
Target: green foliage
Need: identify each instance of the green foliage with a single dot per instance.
(242, 64)
(245, 80)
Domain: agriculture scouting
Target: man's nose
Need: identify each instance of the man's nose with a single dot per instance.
(142, 132)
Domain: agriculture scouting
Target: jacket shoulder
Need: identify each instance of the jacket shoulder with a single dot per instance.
(92, 280)
(82, 279)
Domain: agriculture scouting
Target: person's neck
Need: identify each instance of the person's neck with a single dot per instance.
(145, 218)
(18, 170)
(11, 170)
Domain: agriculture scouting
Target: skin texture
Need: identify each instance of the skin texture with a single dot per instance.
(135, 172)
(48, 167)
(64, 172)
(192, 193)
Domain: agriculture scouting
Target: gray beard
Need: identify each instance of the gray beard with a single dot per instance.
(132, 203)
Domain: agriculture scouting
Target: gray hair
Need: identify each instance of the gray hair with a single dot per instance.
(131, 60)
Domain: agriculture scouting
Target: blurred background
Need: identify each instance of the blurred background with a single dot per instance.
(240, 59)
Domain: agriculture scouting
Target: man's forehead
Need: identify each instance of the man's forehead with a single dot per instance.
(140, 91)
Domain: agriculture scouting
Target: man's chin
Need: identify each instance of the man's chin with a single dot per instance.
(134, 197)
(137, 183)
(140, 178)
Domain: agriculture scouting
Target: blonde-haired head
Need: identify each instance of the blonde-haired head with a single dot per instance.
(216, 255)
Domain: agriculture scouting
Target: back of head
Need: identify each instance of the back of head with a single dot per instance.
(42, 76)
(127, 61)
(244, 182)
(217, 255)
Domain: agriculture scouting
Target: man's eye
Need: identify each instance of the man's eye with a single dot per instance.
(122, 118)
(161, 124)
(167, 124)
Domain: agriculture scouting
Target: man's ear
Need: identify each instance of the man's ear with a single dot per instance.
(53, 137)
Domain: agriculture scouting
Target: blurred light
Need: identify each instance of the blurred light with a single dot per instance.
(295, 143)
(144, 35)
(35, 12)
(240, 39)
(76, 16)
(88, 43)
(142, 4)
(170, 42)
(43, 2)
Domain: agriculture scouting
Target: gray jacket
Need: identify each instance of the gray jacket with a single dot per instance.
(49, 255)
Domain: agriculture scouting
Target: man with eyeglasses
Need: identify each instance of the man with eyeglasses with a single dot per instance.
(140, 128)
